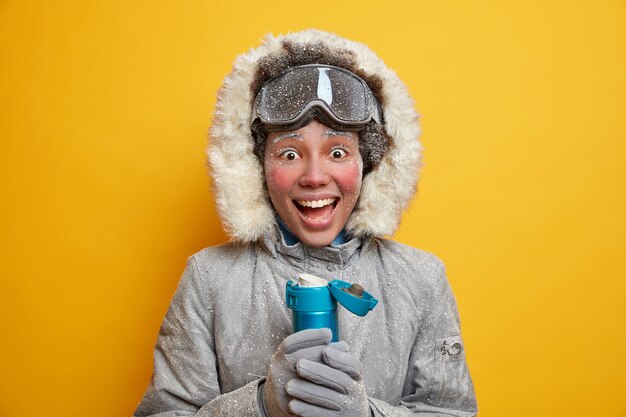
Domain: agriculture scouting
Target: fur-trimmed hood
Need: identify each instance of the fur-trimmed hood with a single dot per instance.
(242, 198)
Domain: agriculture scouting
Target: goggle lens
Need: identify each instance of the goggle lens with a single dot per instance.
(286, 98)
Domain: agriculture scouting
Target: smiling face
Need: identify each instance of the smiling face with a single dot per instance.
(313, 176)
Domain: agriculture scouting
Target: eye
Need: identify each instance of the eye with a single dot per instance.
(289, 155)
(338, 153)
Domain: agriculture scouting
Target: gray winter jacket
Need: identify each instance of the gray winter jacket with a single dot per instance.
(229, 315)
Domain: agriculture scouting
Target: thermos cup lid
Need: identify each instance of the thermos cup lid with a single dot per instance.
(344, 293)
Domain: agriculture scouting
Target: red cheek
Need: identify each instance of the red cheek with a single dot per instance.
(349, 177)
(279, 178)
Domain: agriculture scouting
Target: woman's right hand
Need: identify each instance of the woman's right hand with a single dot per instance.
(305, 344)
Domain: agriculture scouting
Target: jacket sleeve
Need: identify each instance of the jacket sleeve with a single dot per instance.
(185, 379)
(438, 382)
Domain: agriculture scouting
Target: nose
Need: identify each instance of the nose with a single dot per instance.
(315, 174)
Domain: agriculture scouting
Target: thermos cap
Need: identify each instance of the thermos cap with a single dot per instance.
(344, 293)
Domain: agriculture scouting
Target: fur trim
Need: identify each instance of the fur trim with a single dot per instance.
(242, 199)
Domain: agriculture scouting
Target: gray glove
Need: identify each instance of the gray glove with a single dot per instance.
(304, 345)
(333, 388)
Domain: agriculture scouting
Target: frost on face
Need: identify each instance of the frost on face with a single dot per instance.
(313, 177)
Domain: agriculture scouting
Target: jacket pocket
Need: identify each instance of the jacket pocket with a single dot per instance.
(452, 386)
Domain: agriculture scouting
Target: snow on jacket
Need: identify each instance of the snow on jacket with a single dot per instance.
(229, 315)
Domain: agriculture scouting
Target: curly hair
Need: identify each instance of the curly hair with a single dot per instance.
(373, 140)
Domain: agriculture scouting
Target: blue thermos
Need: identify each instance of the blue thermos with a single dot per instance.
(313, 301)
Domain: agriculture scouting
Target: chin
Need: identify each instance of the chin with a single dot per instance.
(319, 242)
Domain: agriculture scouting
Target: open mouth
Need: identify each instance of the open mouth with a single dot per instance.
(316, 209)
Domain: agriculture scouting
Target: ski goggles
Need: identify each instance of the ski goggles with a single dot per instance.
(287, 98)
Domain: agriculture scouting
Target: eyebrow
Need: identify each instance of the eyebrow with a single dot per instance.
(329, 133)
(288, 135)
(298, 136)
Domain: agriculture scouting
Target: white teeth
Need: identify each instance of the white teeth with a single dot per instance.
(316, 203)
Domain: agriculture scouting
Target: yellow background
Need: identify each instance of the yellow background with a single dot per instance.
(103, 118)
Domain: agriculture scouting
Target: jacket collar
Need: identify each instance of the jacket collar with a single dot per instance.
(300, 254)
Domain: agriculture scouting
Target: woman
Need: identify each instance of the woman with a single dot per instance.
(314, 153)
